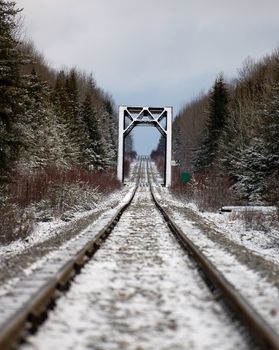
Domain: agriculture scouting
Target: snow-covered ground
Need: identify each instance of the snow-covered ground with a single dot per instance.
(260, 241)
(262, 294)
(233, 225)
(140, 291)
(45, 230)
(23, 256)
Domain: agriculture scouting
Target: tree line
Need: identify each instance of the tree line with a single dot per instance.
(47, 117)
(58, 136)
(231, 133)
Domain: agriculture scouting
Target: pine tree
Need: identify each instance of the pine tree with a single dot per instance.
(109, 137)
(73, 108)
(71, 88)
(217, 116)
(269, 116)
(63, 100)
(45, 139)
(251, 171)
(254, 166)
(108, 140)
(93, 150)
(11, 88)
(177, 141)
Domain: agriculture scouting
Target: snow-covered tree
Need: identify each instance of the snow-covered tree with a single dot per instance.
(62, 118)
(11, 88)
(269, 117)
(107, 122)
(92, 150)
(45, 139)
(64, 102)
(253, 162)
(251, 171)
(217, 117)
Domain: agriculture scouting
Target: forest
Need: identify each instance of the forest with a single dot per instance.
(57, 135)
(228, 139)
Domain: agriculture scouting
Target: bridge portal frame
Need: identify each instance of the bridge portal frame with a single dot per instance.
(160, 117)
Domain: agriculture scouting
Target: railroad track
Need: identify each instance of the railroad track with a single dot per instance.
(28, 318)
(257, 327)
(17, 322)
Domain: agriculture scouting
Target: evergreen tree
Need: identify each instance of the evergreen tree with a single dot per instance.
(11, 88)
(71, 88)
(108, 137)
(269, 112)
(217, 116)
(74, 120)
(251, 171)
(64, 98)
(93, 150)
(45, 139)
(269, 130)
(254, 164)
(177, 142)
(40, 124)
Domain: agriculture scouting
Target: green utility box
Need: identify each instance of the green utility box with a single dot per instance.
(185, 177)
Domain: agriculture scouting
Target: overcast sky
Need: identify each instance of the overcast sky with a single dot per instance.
(152, 52)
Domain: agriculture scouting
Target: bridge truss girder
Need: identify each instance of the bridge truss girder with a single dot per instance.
(159, 117)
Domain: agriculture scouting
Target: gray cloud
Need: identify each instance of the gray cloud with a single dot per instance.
(153, 52)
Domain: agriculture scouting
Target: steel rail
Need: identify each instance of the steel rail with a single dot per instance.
(254, 323)
(30, 316)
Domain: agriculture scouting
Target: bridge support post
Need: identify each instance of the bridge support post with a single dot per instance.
(120, 161)
(168, 146)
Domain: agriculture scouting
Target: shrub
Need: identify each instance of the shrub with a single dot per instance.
(48, 193)
(26, 189)
(15, 223)
(257, 220)
(207, 191)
